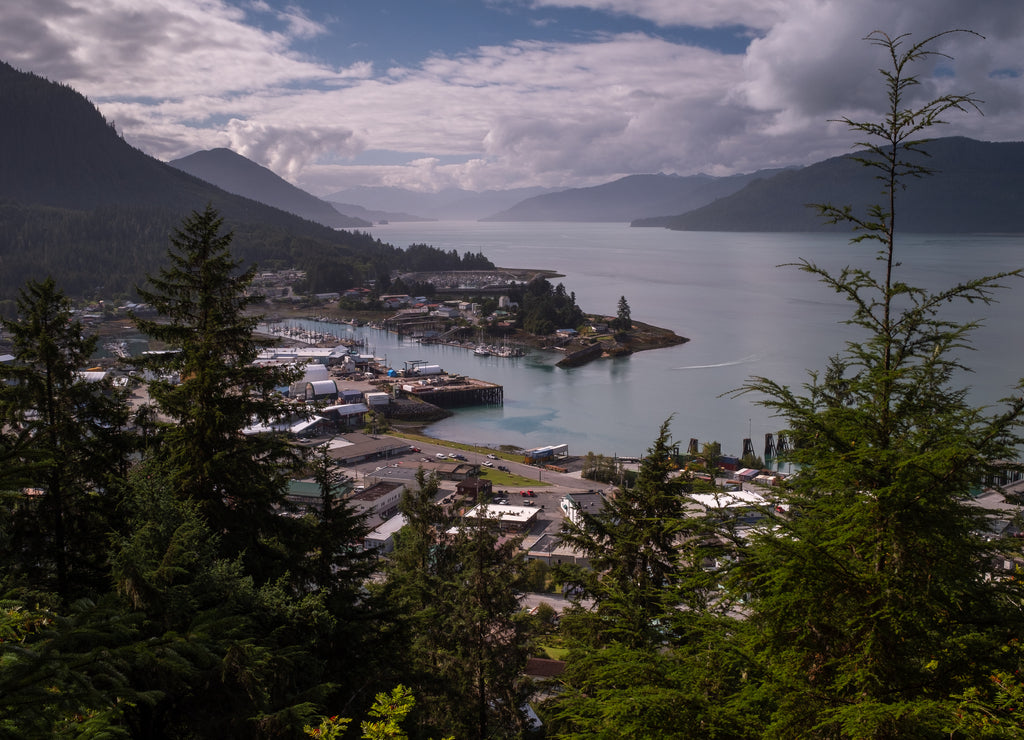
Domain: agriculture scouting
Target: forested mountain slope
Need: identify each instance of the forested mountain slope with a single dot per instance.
(236, 174)
(79, 203)
(978, 187)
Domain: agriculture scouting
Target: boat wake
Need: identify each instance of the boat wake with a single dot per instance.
(743, 361)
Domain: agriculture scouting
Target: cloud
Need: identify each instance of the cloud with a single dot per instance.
(116, 49)
(707, 14)
(176, 76)
(288, 149)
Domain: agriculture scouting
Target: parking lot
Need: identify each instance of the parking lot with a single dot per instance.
(532, 486)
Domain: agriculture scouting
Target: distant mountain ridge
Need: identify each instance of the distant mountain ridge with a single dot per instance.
(628, 198)
(237, 174)
(375, 216)
(978, 187)
(452, 204)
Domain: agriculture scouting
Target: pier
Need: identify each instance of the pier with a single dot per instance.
(453, 391)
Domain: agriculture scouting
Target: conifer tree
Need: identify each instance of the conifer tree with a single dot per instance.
(456, 588)
(210, 389)
(632, 546)
(652, 656)
(64, 445)
(873, 604)
(623, 318)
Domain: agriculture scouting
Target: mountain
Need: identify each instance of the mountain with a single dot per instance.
(377, 216)
(627, 199)
(452, 204)
(79, 203)
(236, 174)
(978, 187)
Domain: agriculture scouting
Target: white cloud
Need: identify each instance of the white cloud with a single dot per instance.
(181, 75)
(288, 149)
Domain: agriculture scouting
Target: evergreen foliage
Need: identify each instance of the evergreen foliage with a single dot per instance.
(651, 655)
(543, 308)
(457, 589)
(63, 441)
(623, 320)
(874, 602)
(211, 390)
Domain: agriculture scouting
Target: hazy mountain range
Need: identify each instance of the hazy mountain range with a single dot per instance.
(628, 198)
(977, 187)
(445, 205)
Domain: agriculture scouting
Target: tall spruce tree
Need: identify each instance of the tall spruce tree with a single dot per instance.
(650, 654)
(633, 548)
(464, 639)
(63, 435)
(873, 605)
(212, 392)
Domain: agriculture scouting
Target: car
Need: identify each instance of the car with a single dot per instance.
(488, 464)
(415, 449)
(527, 503)
(492, 457)
(440, 456)
(503, 469)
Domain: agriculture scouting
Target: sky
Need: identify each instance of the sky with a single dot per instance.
(498, 94)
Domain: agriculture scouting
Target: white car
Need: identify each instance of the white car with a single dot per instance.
(488, 464)
(440, 456)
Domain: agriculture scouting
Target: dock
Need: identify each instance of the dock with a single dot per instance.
(451, 391)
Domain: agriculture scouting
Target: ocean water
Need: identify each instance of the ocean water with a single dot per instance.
(744, 313)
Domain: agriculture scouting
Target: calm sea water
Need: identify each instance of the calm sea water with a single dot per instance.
(744, 315)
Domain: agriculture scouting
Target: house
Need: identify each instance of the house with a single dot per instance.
(474, 488)
(382, 538)
(395, 301)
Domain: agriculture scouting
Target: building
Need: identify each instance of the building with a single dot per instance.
(320, 390)
(355, 447)
(574, 504)
(474, 489)
(380, 500)
(543, 454)
(509, 518)
(346, 416)
(382, 538)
